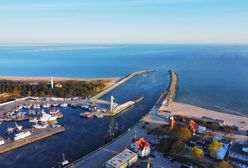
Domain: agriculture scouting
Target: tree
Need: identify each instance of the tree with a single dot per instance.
(185, 134)
(177, 147)
(214, 147)
(198, 154)
(224, 164)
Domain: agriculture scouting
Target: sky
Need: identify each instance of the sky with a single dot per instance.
(124, 21)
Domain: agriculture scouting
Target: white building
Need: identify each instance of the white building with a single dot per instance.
(238, 155)
(123, 160)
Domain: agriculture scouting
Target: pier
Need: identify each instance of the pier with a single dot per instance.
(120, 82)
(117, 110)
(35, 136)
(172, 90)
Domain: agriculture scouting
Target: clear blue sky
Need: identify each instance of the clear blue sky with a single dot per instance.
(124, 21)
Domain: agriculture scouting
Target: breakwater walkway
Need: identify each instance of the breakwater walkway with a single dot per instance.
(118, 83)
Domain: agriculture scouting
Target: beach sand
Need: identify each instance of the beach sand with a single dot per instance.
(198, 112)
(56, 79)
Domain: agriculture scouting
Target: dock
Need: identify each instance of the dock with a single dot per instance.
(35, 136)
(117, 110)
(118, 83)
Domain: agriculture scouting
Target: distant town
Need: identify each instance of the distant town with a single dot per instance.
(172, 134)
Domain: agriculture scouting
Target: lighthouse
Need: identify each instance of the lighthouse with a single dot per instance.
(52, 82)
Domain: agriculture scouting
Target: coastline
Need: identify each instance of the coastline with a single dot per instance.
(198, 112)
(56, 79)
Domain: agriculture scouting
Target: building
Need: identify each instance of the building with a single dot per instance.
(238, 155)
(142, 147)
(124, 159)
(58, 85)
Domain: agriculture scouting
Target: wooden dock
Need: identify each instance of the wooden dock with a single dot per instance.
(120, 82)
(36, 136)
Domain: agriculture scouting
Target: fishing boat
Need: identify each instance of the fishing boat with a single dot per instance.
(33, 120)
(21, 135)
(56, 112)
(32, 112)
(88, 115)
(47, 117)
(55, 105)
(86, 107)
(63, 163)
(46, 105)
(10, 130)
(36, 106)
(18, 127)
(113, 132)
(27, 106)
(64, 105)
(39, 126)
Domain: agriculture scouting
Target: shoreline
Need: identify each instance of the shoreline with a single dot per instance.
(190, 110)
(56, 79)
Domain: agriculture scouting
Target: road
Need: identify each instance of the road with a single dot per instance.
(97, 158)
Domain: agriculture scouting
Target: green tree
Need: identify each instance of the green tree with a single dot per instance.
(177, 147)
(214, 147)
(198, 154)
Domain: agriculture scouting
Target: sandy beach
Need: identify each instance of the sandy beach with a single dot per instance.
(56, 79)
(198, 112)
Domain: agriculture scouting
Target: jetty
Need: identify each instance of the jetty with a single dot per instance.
(118, 83)
(114, 112)
(172, 90)
(36, 135)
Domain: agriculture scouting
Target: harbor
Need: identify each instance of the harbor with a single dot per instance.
(98, 157)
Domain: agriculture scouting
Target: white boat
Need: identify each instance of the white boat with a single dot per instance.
(27, 106)
(55, 105)
(38, 126)
(10, 130)
(54, 111)
(18, 127)
(32, 112)
(36, 106)
(64, 105)
(86, 107)
(46, 105)
(47, 117)
(22, 135)
(33, 120)
(56, 126)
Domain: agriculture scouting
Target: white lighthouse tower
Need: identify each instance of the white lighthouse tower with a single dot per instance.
(51, 82)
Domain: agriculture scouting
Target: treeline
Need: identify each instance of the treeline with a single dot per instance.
(42, 89)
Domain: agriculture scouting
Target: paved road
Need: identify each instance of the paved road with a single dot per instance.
(97, 158)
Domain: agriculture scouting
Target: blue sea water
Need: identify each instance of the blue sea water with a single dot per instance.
(210, 76)
(213, 76)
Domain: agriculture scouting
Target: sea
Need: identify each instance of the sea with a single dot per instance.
(210, 76)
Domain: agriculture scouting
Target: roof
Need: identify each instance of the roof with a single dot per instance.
(121, 158)
(142, 143)
(239, 148)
